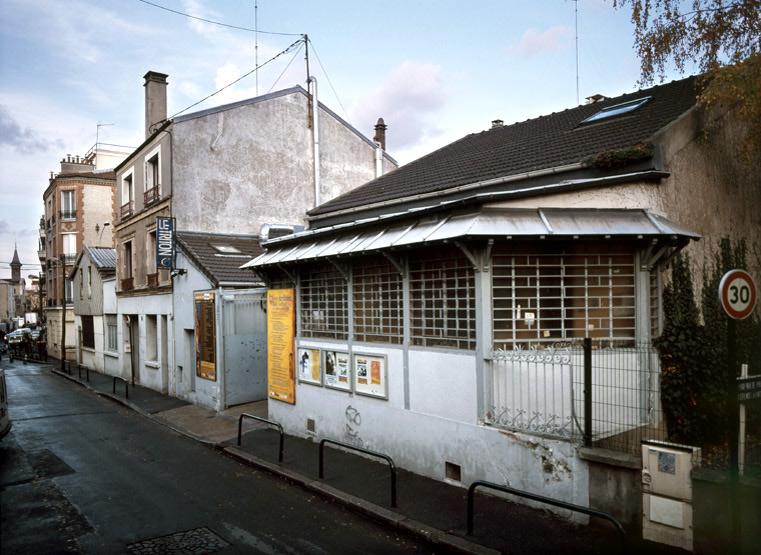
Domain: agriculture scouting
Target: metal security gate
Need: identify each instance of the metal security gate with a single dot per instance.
(244, 346)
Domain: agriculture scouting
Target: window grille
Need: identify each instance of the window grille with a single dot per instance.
(543, 298)
(111, 344)
(378, 299)
(443, 300)
(88, 332)
(323, 299)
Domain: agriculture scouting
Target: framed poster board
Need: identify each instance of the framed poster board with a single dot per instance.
(310, 370)
(281, 330)
(370, 375)
(337, 366)
(206, 336)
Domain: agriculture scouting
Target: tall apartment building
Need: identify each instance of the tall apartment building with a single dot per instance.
(79, 210)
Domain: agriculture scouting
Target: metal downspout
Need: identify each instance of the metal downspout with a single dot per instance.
(312, 81)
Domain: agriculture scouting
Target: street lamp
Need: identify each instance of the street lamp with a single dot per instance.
(61, 262)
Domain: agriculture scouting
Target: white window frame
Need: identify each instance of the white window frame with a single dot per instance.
(73, 208)
(155, 152)
(64, 243)
(111, 328)
(130, 173)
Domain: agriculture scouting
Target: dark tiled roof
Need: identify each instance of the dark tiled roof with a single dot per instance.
(103, 258)
(545, 142)
(220, 267)
(94, 175)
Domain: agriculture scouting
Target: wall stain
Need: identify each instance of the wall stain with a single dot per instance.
(554, 468)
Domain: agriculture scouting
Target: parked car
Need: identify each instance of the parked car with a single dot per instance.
(5, 419)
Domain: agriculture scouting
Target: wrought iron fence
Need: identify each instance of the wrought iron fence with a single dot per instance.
(542, 391)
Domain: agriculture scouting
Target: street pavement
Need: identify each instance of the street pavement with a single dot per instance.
(80, 473)
(167, 469)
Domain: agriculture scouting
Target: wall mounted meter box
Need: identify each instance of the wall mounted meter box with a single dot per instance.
(667, 492)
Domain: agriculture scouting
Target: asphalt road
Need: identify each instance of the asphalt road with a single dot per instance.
(79, 473)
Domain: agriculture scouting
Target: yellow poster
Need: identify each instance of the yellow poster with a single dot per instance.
(206, 336)
(281, 329)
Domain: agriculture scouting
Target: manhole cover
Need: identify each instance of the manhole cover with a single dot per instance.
(198, 540)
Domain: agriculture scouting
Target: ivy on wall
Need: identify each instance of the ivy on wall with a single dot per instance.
(693, 353)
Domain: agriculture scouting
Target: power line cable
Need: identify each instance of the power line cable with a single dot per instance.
(295, 54)
(220, 23)
(207, 97)
(319, 61)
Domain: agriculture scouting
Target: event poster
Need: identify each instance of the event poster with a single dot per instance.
(281, 330)
(370, 375)
(206, 336)
(309, 366)
(337, 365)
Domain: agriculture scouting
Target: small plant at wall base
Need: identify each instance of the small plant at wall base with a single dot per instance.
(693, 354)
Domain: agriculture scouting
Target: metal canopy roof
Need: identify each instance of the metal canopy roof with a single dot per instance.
(487, 223)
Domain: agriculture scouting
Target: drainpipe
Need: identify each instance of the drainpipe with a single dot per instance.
(312, 81)
(378, 160)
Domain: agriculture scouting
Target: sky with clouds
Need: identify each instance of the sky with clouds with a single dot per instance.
(435, 70)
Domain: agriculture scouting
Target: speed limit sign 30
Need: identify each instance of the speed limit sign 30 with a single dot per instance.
(737, 294)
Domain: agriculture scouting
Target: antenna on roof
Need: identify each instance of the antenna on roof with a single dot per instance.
(256, 44)
(576, 28)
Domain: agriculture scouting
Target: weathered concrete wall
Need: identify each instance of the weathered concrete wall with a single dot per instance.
(98, 206)
(430, 433)
(238, 169)
(712, 188)
(183, 382)
(53, 316)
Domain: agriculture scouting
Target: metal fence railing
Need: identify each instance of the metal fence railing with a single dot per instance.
(543, 391)
(597, 393)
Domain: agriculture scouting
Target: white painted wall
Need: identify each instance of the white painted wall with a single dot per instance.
(206, 393)
(440, 426)
(149, 373)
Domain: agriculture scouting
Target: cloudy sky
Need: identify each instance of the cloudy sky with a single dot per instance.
(435, 70)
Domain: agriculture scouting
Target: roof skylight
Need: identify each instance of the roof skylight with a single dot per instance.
(226, 249)
(618, 109)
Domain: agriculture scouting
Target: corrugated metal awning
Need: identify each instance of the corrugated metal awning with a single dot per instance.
(487, 223)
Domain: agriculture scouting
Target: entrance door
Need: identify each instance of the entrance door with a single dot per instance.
(245, 346)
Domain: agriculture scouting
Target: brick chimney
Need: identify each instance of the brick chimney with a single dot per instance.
(380, 133)
(155, 99)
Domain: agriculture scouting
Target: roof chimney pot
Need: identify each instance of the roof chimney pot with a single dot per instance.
(155, 99)
(497, 123)
(380, 133)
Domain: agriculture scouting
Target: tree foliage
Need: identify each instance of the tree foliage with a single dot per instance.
(722, 36)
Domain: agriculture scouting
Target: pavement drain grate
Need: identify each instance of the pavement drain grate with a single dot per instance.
(198, 540)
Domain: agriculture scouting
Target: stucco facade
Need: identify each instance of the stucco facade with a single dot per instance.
(229, 169)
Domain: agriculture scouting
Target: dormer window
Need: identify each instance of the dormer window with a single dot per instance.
(618, 109)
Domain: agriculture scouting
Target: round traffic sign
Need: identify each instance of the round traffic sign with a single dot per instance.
(737, 294)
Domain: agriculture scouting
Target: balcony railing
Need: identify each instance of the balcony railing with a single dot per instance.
(68, 214)
(69, 258)
(153, 279)
(127, 210)
(128, 284)
(151, 195)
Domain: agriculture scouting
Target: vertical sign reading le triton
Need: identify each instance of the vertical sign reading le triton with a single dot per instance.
(164, 243)
(281, 330)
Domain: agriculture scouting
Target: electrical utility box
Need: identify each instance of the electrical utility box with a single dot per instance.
(667, 492)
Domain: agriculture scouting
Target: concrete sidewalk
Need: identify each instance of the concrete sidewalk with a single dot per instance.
(426, 508)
